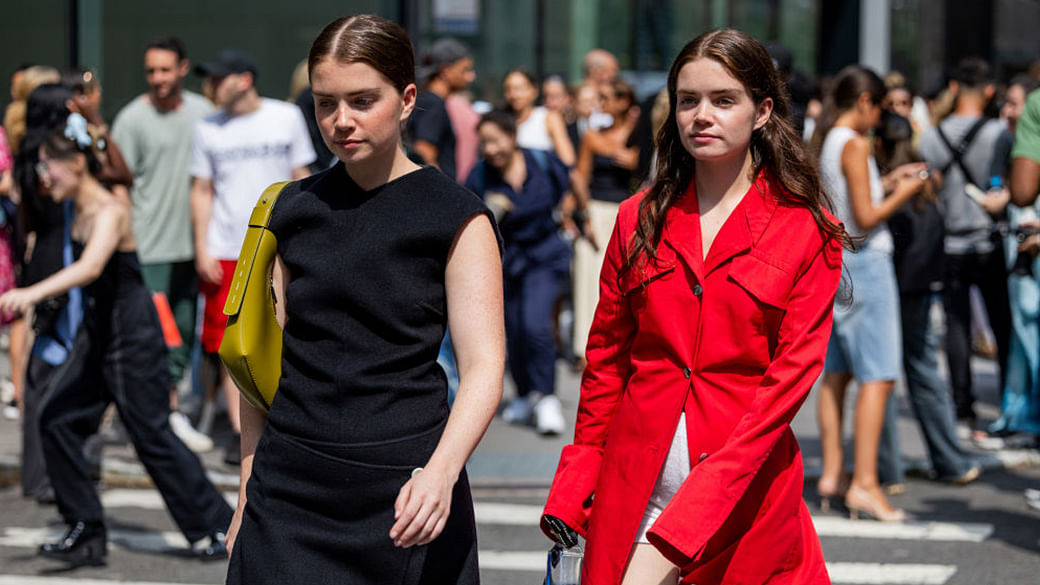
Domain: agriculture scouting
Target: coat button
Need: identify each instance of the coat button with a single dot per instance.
(697, 290)
(686, 372)
(703, 456)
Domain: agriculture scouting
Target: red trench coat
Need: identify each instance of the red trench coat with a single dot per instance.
(735, 341)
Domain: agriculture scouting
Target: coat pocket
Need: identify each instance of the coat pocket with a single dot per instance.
(765, 282)
(636, 280)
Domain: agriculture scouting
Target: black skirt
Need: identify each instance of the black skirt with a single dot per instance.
(321, 513)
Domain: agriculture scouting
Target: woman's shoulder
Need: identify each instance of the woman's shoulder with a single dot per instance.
(794, 227)
(628, 211)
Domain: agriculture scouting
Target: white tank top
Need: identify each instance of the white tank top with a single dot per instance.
(532, 133)
(835, 185)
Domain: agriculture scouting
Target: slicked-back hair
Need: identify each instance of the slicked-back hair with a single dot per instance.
(366, 38)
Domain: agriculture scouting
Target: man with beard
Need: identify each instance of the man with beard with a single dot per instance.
(154, 133)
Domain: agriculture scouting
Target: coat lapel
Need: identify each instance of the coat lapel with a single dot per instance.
(682, 231)
(745, 225)
(739, 233)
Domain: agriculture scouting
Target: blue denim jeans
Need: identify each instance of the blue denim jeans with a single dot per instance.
(929, 397)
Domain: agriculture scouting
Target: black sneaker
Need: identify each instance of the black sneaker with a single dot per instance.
(233, 450)
(211, 548)
(84, 544)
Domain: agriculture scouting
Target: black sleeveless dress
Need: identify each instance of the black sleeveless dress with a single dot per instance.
(362, 401)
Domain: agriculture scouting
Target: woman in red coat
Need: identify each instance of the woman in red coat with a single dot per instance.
(712, 325)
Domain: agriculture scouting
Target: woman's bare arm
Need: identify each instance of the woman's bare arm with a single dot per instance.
(473, 281)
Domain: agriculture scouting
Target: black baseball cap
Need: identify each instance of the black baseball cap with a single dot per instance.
(227, 61)
(441, 54)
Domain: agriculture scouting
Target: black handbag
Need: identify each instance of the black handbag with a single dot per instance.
(46, 314)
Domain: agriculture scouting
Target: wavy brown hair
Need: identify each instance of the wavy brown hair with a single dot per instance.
(776, 148)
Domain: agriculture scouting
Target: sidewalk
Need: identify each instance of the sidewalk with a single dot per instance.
(512, 457)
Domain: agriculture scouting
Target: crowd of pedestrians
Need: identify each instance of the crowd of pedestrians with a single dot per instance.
(112, 238)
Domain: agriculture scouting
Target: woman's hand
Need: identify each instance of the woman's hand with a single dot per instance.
(422, 508)
(18, 301)
(890, 182)
(236, 523)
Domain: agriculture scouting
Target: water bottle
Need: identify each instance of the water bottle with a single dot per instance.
(995, 183)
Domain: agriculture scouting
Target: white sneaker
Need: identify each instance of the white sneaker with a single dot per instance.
(1032, 494)
(11, 411)
(193, 439)
(518, 411)
(548, 415)
(6, 390)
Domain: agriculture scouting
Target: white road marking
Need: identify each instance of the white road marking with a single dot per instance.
(487, 513)
(841, 573)
(889, 573)
(29, 580)
(529, 515)
(833, 526)
(145, 499)
(137, 540)
(526, 561)
(507, 514)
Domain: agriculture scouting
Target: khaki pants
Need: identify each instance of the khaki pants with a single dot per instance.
(587, 265)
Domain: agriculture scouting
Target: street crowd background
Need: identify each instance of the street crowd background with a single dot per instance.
(191, 166)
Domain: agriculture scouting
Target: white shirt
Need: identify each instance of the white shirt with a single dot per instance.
(532, 133)
(243, 155)
(835, 185)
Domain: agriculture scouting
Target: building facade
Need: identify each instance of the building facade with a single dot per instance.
(921, 38)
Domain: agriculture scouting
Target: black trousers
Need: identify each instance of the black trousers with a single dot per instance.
(989, 273)
(34, 470)
(127, 368)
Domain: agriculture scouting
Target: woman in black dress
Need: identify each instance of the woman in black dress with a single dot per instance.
(356, 475)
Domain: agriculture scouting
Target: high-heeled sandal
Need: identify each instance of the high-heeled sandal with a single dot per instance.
(861, 504)
(832, 493)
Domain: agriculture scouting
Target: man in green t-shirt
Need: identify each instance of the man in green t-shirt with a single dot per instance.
(1025, 185)
(154, 132)
(1025, 165)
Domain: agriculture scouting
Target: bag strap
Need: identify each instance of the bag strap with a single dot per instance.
(542, 158)
(247, 258)
(958, 152)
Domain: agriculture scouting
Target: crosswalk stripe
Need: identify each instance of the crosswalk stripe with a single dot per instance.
(487, 513)
(832, 526)
(889, 573)
(137, 540)
(528, 515)
(29, 580)
(145, 499)
(525, 561)
(841, 573)
(507, 514)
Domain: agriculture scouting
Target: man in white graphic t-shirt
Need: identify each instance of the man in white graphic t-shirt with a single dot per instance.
(248, 144)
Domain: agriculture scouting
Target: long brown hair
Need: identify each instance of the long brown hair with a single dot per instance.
(850, 83)
(373, 40)
(776, 148)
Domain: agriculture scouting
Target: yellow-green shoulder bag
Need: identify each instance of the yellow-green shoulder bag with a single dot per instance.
(252, 345)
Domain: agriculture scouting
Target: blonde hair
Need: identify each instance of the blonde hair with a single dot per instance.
(14, 118)
(299, 81)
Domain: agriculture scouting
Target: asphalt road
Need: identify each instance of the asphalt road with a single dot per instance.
(975, 535)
